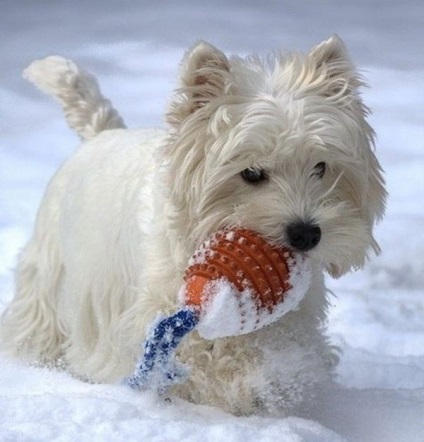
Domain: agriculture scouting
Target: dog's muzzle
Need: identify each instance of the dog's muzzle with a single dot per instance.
(303, 236)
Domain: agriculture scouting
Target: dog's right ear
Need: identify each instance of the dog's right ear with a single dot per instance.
(204, 76)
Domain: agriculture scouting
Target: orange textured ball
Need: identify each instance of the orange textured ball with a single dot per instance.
(246, 260)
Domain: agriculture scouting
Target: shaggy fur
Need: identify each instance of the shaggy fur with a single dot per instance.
(122, 216)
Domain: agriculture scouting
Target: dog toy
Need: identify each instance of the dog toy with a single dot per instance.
(235, 283)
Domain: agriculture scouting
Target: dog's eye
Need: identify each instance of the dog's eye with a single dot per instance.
(253, 176)
(319, 169)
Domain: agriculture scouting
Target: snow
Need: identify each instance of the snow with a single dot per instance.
(229, 312)
(134, 48)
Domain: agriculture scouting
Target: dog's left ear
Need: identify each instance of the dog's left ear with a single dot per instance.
(204, 76)
(330, 50)
(333, 63)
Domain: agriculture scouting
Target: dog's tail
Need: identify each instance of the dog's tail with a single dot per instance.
(87, 111)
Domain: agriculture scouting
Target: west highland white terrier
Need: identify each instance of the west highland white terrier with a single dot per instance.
(279, 145)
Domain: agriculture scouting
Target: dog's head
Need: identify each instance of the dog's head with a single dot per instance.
(279, 145)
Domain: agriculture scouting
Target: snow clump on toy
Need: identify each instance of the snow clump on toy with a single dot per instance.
(238, 283)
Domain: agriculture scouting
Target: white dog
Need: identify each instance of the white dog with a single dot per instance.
(279, 145)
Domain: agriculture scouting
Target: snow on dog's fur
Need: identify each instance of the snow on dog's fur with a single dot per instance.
(279, 145)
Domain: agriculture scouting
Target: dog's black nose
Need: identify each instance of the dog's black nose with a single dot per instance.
(303, 236)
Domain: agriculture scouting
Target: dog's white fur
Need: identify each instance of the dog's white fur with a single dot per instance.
(123, 215)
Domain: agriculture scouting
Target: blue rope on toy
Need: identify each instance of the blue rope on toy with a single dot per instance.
(157, 366)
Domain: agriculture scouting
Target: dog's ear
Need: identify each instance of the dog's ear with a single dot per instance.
(333, 65)
(204, 75)
(330, 50)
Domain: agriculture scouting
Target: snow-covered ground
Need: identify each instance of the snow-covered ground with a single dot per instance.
(134, 49)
